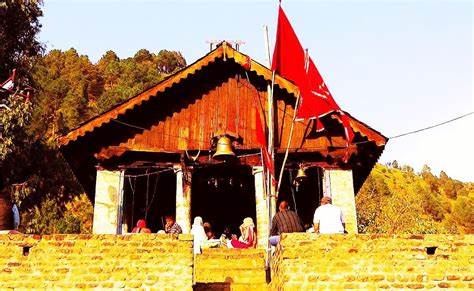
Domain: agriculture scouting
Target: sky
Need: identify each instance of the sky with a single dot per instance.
(395, 65)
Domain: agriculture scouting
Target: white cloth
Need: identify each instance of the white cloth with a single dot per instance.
(330, 219)
(197, 230)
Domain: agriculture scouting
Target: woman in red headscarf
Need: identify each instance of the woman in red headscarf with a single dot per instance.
(141, 227)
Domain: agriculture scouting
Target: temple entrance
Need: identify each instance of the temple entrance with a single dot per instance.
(149, 194)
(303, 197)
(223, 195)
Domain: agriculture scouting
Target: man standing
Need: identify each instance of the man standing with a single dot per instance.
(285, 221)
(328, 218)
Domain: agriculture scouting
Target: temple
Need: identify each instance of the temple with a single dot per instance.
(153, 154)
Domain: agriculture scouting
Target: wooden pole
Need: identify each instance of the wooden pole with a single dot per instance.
(288, 145)
(270, 192)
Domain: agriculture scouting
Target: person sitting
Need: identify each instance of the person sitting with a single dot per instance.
(284, 221)
(328, 218)
(141, 227)
(197, 230)
(172, 227)
(208, 229)
(247, 238)
(227, 233)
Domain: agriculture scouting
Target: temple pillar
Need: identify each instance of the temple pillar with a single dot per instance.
(338, 185)
(183, 198)
(261, 205)
(108, 202)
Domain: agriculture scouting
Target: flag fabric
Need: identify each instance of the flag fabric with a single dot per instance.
(292, 62)
(9, 84)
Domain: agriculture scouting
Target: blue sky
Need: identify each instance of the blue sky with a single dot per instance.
(396, 65)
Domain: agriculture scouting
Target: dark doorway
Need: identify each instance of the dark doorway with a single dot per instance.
(303, 197)
(223, 195)
(149, 194)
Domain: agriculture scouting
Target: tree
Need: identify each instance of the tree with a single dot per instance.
(404, 202)
(395, 164)
(169, 61)
(463, 216)
(19, 26)
(14, 116)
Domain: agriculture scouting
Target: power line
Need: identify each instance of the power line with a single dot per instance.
(392, 137)
(431, 126)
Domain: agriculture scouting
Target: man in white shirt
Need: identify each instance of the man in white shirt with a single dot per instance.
(328, 218)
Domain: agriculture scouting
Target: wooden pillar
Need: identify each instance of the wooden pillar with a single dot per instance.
(262, 222)
(338, 185)
(108, 202)
(183, 199)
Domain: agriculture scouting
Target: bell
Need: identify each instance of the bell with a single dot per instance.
(223, 149)
(300, 176)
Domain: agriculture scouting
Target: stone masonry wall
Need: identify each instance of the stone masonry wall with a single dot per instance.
(340, 186)
(157, 262)
(311, 261)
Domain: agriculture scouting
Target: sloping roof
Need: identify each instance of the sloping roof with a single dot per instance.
(223, 51)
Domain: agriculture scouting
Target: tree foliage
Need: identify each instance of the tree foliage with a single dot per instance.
(72, 89)
(69, 89)
(398, 200)
(19, 26)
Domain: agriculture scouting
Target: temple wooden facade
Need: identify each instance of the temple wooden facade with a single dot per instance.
(152, 154)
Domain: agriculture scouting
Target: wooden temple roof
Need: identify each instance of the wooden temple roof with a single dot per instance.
(223, 51)
(165, 120)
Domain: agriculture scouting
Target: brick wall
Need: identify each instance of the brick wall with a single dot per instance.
(309, 261)
(157, 262)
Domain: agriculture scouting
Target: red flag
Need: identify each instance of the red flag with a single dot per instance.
(261, 136)
(291, 62)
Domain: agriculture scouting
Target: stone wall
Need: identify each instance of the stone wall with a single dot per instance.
(301, 262)
(230, 269)
(338, 185)
(108, 196)
(311, 261)
(158, 262)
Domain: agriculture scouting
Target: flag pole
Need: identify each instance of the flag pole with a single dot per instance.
(289, 143)
(270, 191)
(297, 103)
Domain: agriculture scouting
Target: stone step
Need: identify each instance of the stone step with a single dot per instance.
(230, 287)
(230, 269)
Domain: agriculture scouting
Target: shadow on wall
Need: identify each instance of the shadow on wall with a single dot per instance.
(218, 286)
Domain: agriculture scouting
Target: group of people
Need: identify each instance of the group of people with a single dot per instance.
(328, 219)
(204, 237)
(171, 226)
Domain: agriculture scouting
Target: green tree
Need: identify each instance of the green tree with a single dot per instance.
(19, 27)
(401, 201)
(14, 116)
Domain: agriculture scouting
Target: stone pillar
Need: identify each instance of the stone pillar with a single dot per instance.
(108, 201)
(183, 199)
(261, 206)
(338, 185)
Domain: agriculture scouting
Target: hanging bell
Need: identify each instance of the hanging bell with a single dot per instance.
(300, 176)
(223, 149)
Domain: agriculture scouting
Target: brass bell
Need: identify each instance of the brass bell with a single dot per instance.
(300, 176)
(223, 148)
